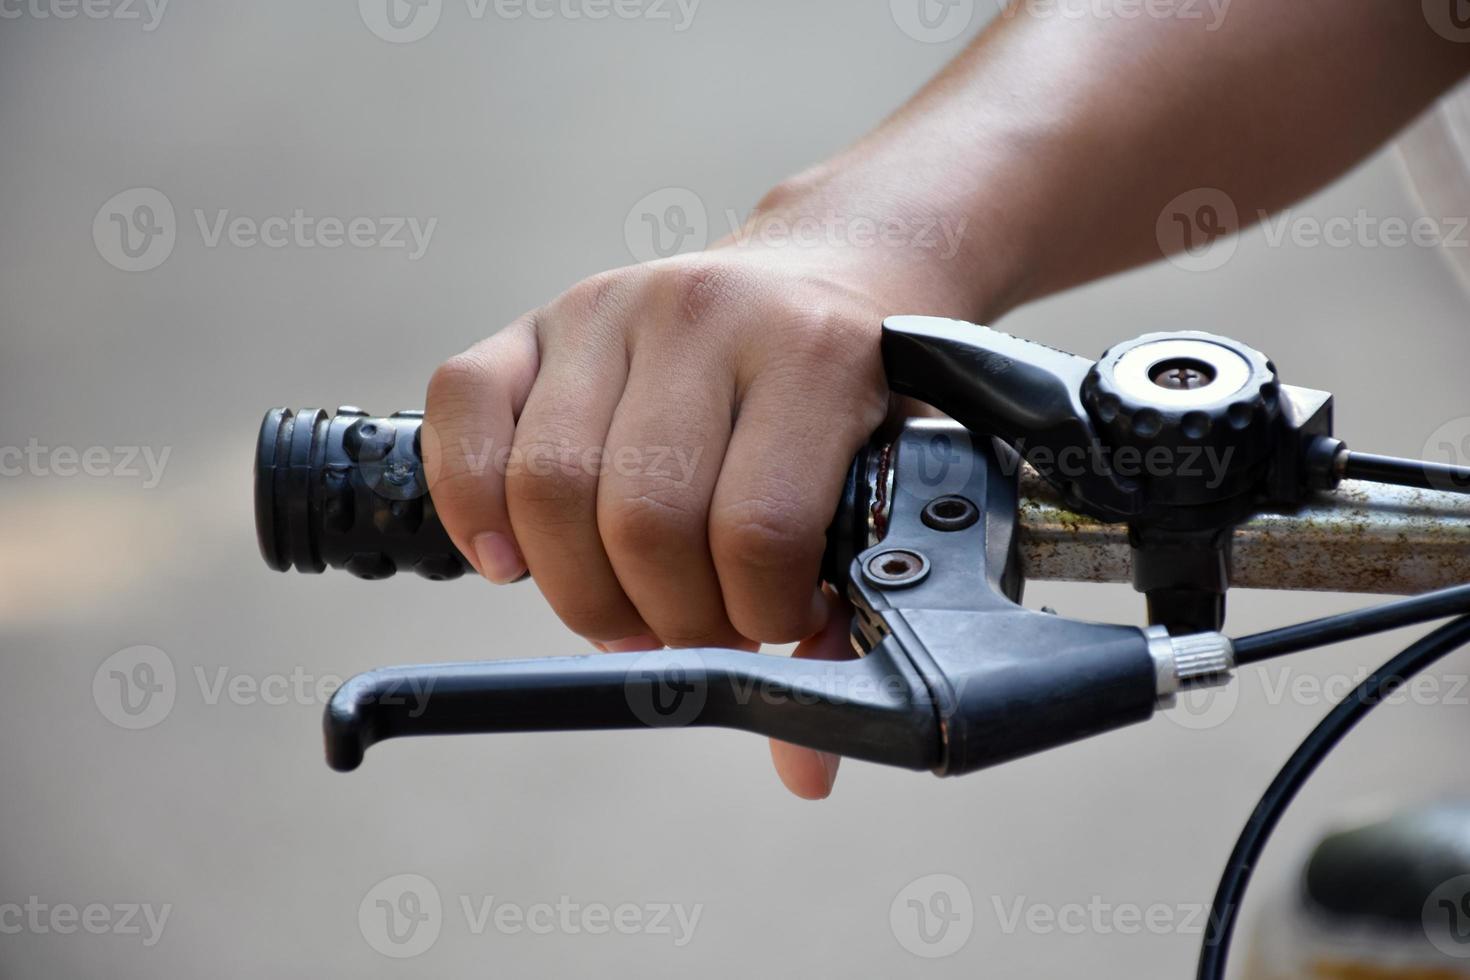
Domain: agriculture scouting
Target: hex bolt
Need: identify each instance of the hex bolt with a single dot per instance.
(896, 568)
(951, 513)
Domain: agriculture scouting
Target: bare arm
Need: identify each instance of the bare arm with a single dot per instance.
(1062, 137)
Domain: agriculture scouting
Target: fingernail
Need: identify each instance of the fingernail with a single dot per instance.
(633, 644)
(500, 560)
(830, 763)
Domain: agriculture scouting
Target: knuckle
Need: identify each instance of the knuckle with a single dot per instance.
(546, 481)
(598, 297)
(701, 290)
(452, 381)
(758, 537)
(836, 338)
(650, 525)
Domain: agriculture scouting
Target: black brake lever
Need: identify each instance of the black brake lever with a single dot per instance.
(954, 674)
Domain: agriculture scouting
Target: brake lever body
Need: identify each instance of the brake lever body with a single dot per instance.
(953, 674)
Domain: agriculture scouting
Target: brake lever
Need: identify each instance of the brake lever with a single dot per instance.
(954, 674)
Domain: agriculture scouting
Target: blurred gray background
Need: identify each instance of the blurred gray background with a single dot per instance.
(530, 141)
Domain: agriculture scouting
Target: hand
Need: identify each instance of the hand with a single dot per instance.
(663, 447)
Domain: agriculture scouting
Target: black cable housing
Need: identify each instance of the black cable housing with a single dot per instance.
(1424, 608)
(1324, 738)
(1407, 472)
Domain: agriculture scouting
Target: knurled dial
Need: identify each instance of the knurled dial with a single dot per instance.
(1190, 415)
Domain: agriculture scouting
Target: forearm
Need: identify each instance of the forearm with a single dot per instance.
(1057, 140)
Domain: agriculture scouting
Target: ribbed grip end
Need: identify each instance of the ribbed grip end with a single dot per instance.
(348, 491)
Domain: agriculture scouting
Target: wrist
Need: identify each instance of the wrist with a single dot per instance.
(915, 252)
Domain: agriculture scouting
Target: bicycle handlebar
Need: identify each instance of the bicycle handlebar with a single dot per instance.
(349, 492)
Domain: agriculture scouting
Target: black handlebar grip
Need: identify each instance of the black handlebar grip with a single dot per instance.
(349, 492)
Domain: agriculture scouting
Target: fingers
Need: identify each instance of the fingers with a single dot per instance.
(664, 451)
(551, 489)
(806, 772)
(777, 493)
(469, 424)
